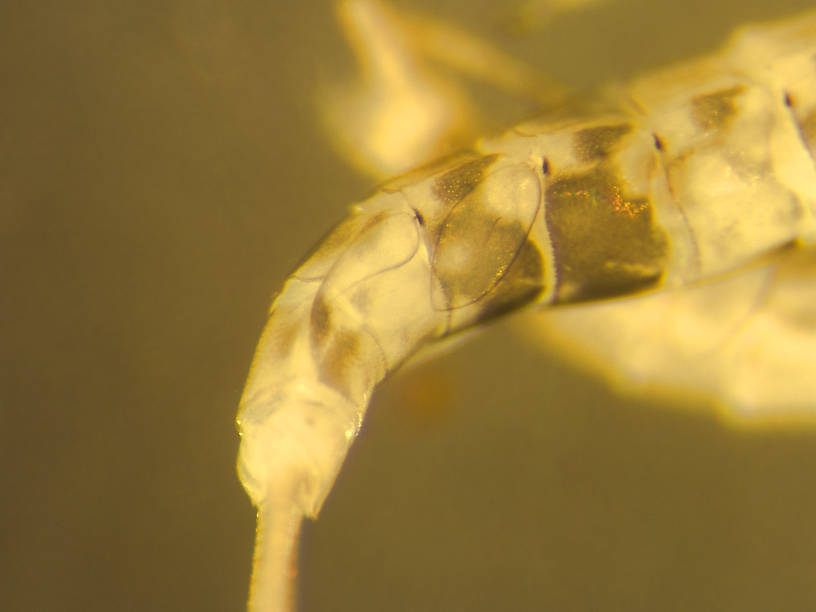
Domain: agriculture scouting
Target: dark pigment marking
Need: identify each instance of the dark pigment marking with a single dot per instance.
(605, 242)
(522, 284)
(455, 184)
(475, 247)
(320, 321)
(339, 361)
(716, 110)
(596, 143)
(807, 127)
(474, 255)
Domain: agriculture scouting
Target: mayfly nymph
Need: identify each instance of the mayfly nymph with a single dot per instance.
(698, 170)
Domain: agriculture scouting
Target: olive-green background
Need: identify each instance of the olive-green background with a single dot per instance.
(161, 170)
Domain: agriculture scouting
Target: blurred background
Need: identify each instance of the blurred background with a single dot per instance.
(161, 171)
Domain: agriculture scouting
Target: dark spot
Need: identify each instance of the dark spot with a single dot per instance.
(455, 184)
(545, 166)
(472, 257)
(788, 100)
(605, 242)
(282, 341)
(360, 298)
(420, 219)
(716, 110)
(807, 128)
(475, 247)
(429, 170)
(320, 320)
(658, 143)
(523, 282)
(596, 143)
(340, 362)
